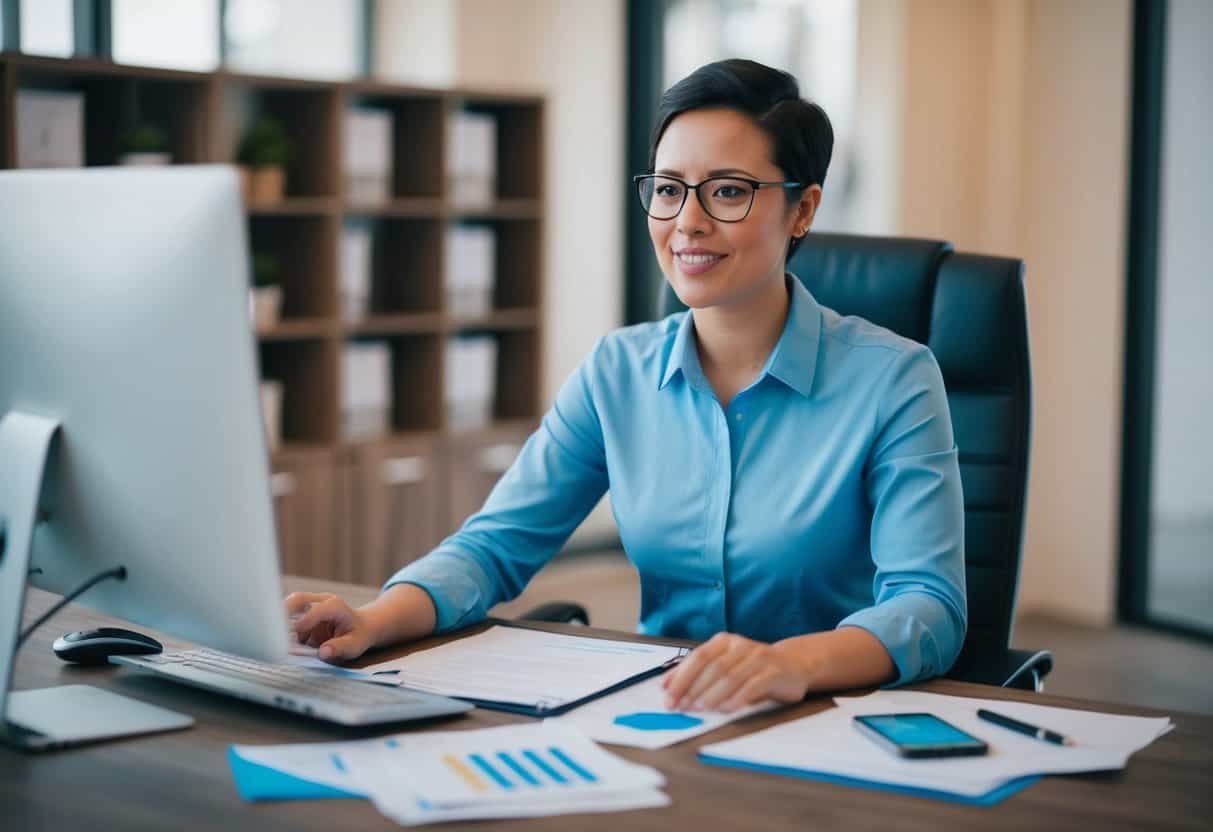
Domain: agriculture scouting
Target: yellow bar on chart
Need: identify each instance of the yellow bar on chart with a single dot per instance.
(463, 771)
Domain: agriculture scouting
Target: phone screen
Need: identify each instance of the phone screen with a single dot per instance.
(921, 734)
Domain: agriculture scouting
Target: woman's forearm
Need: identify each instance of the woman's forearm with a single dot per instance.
(404, 612)
(849, 657)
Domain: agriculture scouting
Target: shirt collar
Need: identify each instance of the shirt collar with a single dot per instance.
(793, 361)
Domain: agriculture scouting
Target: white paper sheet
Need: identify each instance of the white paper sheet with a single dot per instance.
(637, 716)
(528, 770)
(526, 667)
(829, 743)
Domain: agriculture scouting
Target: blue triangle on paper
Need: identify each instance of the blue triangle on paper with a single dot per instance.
(257, 782)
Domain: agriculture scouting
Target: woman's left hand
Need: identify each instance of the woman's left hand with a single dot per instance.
(729, 671)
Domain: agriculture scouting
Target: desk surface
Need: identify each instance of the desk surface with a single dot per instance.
(181, 780)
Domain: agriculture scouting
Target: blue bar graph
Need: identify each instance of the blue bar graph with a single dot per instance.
(543, 766)
(517, 768)
(568, 761)
(497, 777)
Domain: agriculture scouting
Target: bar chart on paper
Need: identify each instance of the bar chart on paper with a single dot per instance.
(526, 768)
(505, 771)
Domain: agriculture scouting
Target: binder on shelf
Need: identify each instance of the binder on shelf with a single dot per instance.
(470, 270)
(271, 412)
(470, 375)
(50, 129)
(368, 155)
(366, 382)
(355, 272)
(472, 158)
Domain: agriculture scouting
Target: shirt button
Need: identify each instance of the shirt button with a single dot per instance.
(719, 585)
(738, 417)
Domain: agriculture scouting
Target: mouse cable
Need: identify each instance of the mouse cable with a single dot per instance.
(118, 572)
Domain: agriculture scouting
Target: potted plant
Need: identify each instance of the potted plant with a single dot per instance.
(265, 296)
(145, 144)
(265, 151)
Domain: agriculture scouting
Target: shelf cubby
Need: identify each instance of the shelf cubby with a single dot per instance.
(519, 265)
(519, 141)
(417, 136)
(406, 266)
(517, 382)
(308, 111)
(307, 369)
(416, 383)
(303, 247)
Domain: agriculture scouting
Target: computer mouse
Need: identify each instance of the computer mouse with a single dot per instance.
(96, 646)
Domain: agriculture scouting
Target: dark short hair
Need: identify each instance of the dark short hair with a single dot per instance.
(799, 129)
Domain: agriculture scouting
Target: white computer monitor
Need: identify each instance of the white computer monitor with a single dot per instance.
(124, 318)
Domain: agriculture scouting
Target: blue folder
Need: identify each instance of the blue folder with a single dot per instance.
(988, 799)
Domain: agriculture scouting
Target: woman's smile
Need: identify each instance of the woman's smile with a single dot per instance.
(696, 261)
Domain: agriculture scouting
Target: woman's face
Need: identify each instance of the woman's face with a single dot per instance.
(713, 263)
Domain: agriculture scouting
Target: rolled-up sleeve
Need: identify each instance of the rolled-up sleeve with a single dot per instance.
(558, 477)
(917, 540)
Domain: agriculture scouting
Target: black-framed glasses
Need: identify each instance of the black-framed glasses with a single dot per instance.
(724, 198)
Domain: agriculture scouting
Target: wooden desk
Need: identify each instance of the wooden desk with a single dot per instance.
(181, 780)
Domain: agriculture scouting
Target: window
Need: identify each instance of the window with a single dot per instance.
(1167, 503)
(47, 28)
(178, 34)
(814, 40)
(305, 40)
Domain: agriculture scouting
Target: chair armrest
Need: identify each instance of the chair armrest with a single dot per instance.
(1023, 669)
(559, 612)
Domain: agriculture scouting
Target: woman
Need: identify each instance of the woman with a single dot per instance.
(784, 479)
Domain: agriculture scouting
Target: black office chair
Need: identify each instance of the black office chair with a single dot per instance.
(970, 310)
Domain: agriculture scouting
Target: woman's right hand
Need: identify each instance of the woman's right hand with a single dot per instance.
(324, 620)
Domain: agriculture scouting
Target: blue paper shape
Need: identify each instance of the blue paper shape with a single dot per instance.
(257, 782)
(655, 721)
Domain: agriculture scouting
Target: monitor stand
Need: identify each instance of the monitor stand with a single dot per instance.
(69, 714)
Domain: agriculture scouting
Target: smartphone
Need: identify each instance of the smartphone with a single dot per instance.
(919, 736)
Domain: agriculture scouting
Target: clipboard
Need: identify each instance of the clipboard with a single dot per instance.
(446, 683)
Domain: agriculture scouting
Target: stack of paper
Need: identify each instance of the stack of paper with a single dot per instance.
(366, 383)
(470, 381)
(530, 770)
(637, 716)
(470, 270)
(472, 158)
(355, 271)
(368, 155)
(828, 745)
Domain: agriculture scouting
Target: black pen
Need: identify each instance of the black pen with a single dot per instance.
(1024, 728)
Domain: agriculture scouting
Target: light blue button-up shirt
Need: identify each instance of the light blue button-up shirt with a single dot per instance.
(826, 495)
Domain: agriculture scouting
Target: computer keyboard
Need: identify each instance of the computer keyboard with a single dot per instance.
(295, 681)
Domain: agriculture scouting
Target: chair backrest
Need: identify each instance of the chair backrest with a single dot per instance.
(971, 311)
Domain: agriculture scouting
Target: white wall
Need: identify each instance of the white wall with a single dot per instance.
(1073, 216)
(416, 41)
(1003, 126)
(1183, 442)
(573, 52)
